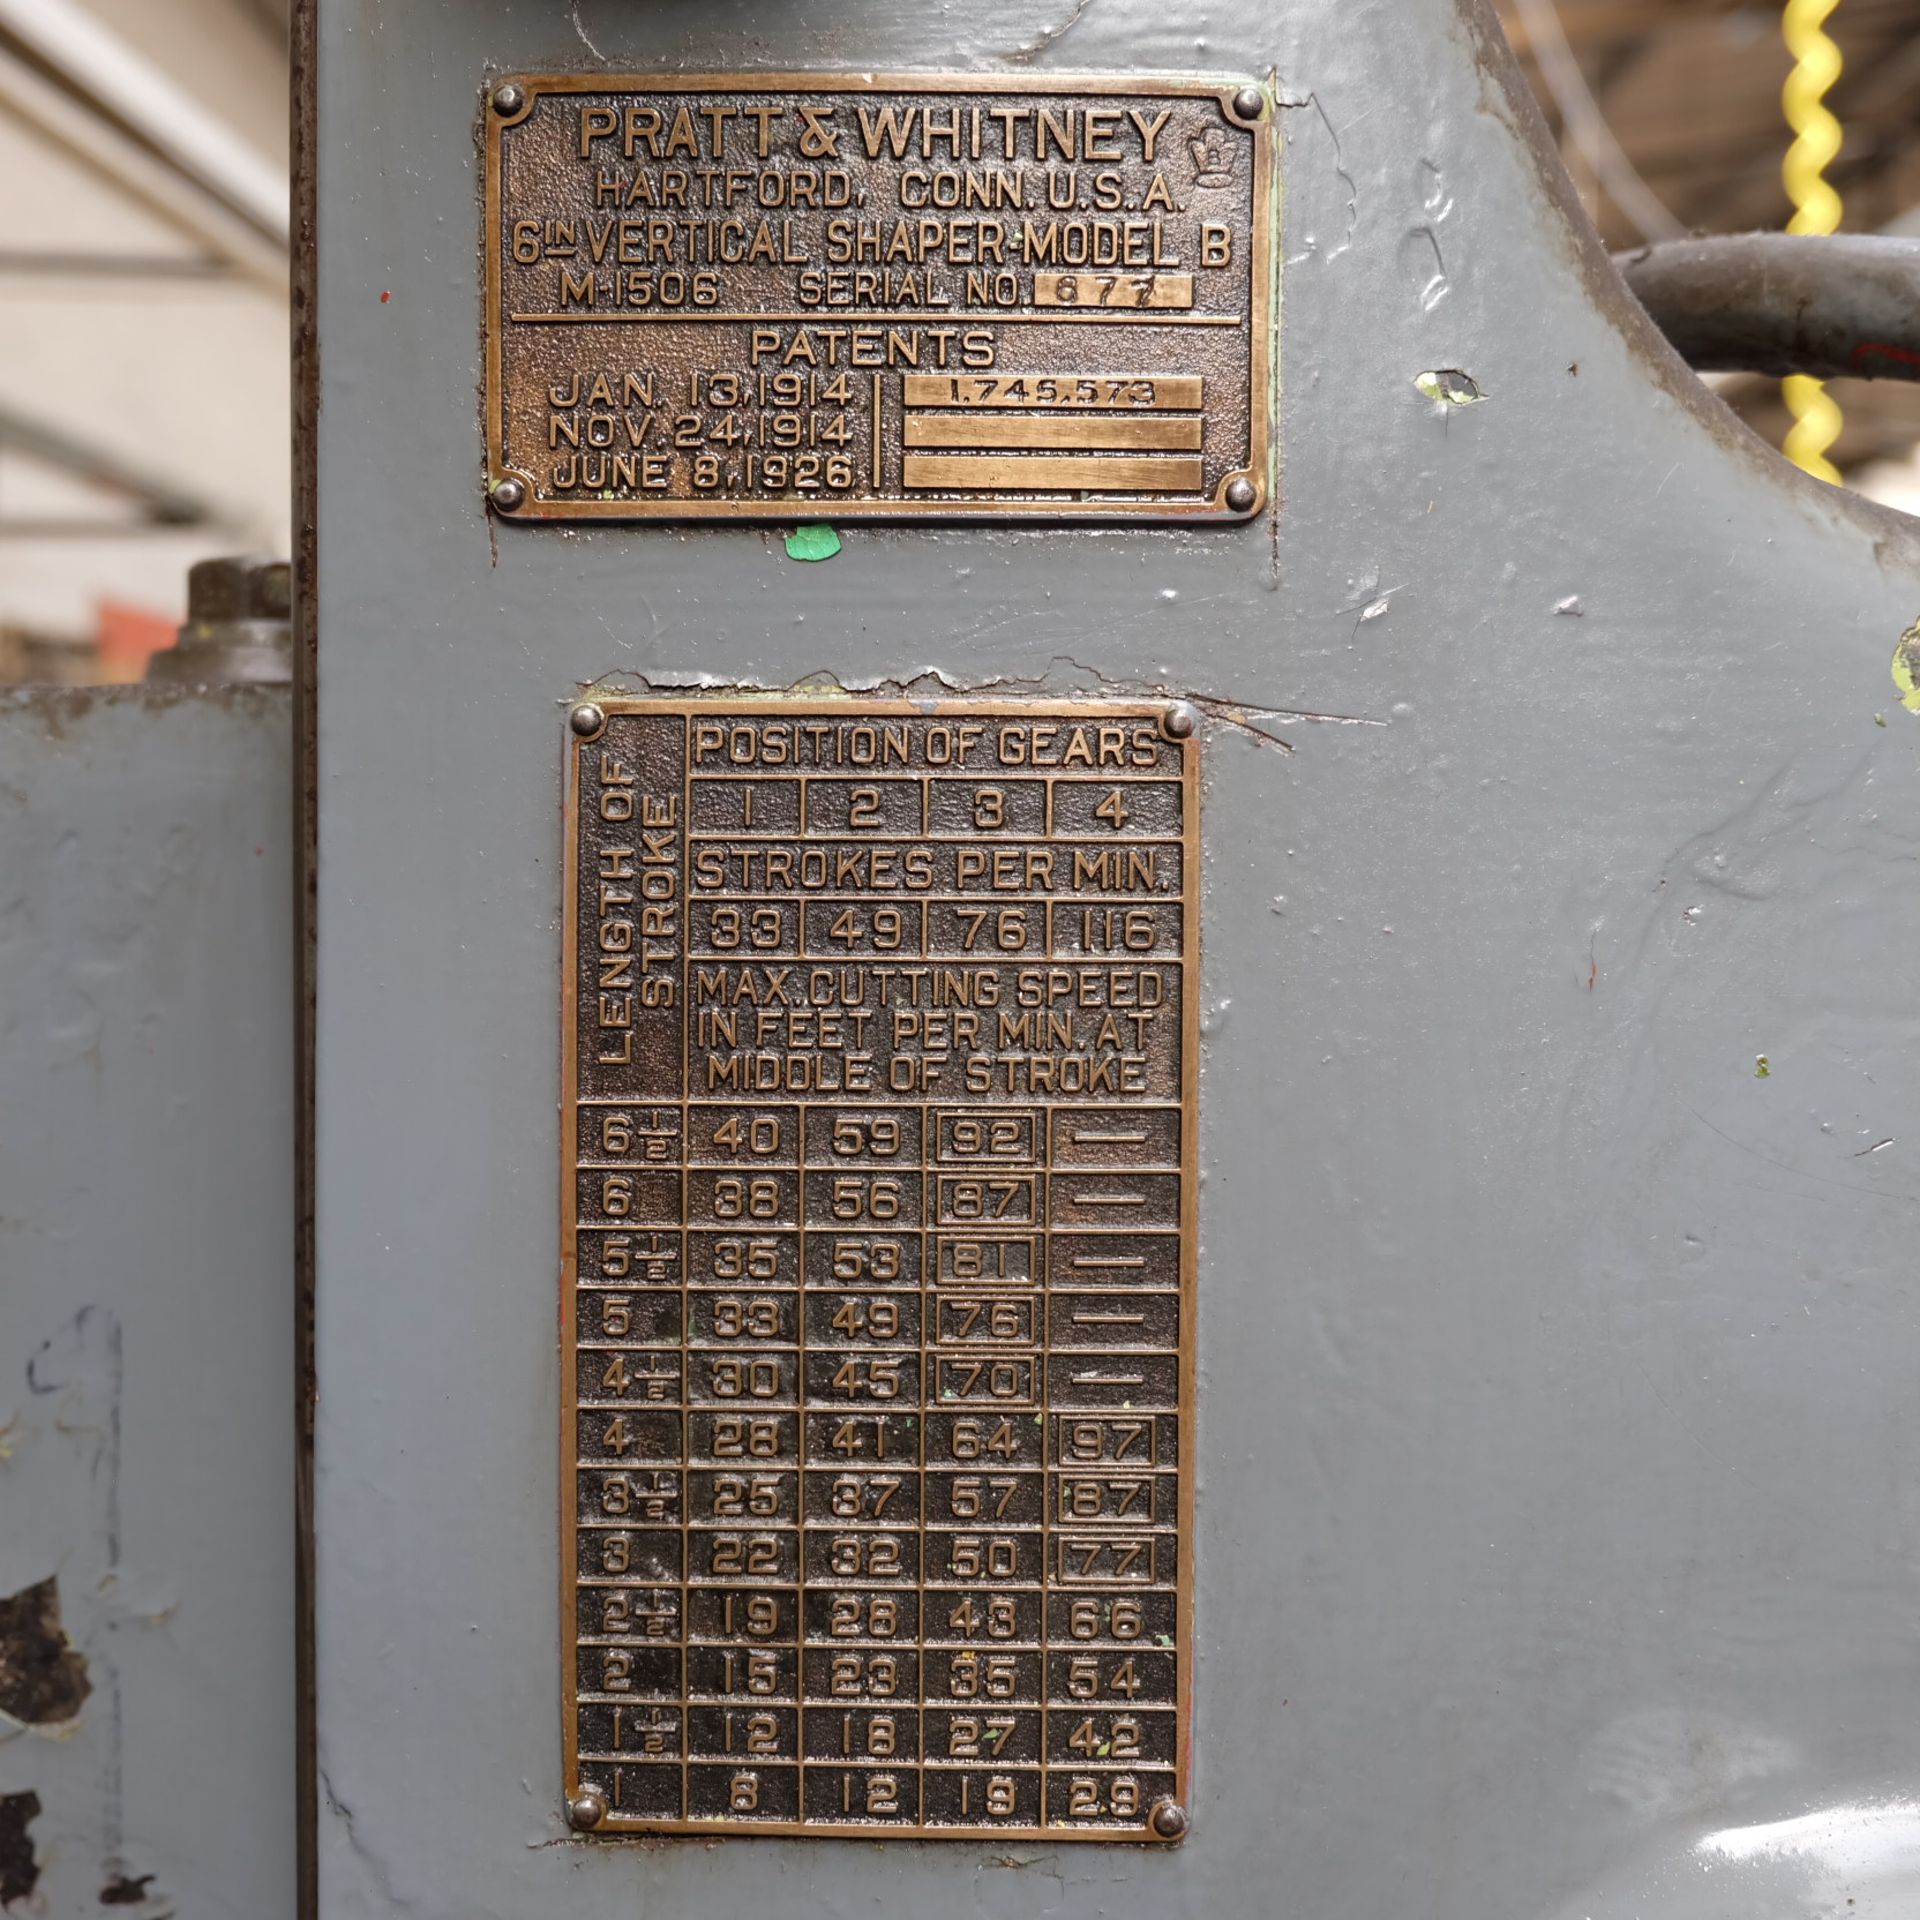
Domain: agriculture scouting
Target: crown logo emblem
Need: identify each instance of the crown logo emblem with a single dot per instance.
(1212, 161)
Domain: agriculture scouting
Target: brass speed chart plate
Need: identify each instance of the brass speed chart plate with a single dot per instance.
(877, 1298)
(820, 296)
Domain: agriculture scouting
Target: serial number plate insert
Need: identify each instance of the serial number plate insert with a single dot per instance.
(878, 1268)
(829, 296)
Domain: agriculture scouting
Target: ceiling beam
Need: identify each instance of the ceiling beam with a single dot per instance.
(120, 85)
(100, 145)
(159, 500)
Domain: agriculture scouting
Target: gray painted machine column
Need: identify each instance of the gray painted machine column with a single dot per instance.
(1559, 1114)
(147, 1635)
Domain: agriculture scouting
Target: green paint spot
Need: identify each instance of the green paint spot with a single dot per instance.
(1449, 387)
(1906, 668)
(812, 542)
(1762, 1067)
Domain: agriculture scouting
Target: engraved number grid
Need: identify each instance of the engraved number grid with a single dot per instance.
(876, 1147)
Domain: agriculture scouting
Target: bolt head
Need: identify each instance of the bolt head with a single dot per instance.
(238, 587)
(509, 99)
(586, 1809)
(1249, 103)
(1168, 1819)
(1180, 721)
(509, 495)
(1241, 494)
(587, 719)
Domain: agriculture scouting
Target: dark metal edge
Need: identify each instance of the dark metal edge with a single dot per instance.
(304, 345)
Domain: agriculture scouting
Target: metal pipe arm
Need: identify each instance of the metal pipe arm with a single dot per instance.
(1785, 303)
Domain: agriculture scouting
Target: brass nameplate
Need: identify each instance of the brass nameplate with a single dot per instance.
(829, 296)
(877, 1297)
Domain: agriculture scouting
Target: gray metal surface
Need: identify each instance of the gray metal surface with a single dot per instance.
(1557, 1370)
(146, 1303)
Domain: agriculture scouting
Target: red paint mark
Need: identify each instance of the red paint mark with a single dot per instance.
(385, 296)
(1868, 351)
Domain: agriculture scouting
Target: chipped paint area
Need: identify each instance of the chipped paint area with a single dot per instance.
(19, 1864)
(1906, 668)
(124, 1889)
(1449, 387)
(43, 1678)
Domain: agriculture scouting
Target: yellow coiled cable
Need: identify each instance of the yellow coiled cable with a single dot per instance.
(1816, 209)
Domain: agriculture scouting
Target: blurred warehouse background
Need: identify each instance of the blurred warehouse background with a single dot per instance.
(143, 317)
(143, 265)
(1669, 118)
